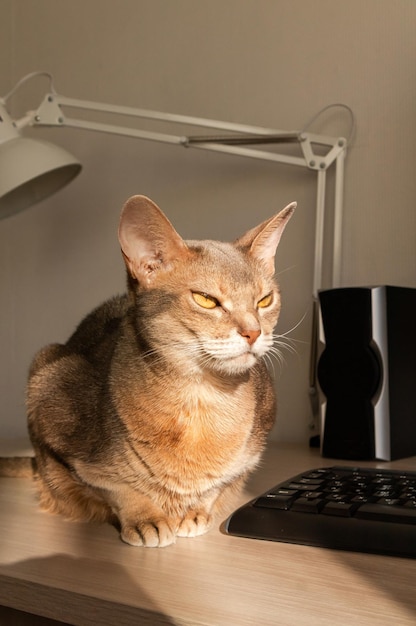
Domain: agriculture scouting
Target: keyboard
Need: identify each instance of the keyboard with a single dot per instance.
(344, 508)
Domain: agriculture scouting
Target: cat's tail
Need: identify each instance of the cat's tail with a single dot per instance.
(18, 467)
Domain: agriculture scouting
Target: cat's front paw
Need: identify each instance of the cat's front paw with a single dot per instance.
(151, 533)
(194, 523)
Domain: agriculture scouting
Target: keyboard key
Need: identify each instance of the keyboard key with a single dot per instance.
(312, 494)
(385, 493)
(307, 505)
(340, 508)
(357, 509)
(333, 489)
(299, 486)
(281, 491)
(335, 497)
(316, 474)
(390, 501)
(387, 513)
(383, 480)
(274, 502)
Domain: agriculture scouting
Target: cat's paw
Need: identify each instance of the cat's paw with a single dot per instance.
(151, 534)
(194, 523)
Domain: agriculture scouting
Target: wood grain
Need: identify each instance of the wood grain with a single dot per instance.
(82, 574)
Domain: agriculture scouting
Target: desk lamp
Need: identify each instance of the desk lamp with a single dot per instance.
(31, 170)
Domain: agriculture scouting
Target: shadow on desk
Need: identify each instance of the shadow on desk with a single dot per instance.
(82, 574)
(43, 605)
(393, 577)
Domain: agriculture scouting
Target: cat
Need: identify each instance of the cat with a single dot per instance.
(157, 408)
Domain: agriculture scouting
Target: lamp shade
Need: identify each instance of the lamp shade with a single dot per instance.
(30, 171)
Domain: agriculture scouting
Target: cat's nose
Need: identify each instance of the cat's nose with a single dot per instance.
(250, 335)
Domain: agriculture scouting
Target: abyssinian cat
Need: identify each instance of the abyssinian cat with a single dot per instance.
(159, 404)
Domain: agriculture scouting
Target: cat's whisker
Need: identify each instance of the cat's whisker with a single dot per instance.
(294, 327)
(281, 341)
(196, 351)
(269, 363)
(289, 268)
(278, 355)
(286, 343)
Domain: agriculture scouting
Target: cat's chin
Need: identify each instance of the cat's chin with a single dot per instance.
(236, 365)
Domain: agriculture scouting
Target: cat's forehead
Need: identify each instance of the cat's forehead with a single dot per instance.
(222, 263)
(219, 253)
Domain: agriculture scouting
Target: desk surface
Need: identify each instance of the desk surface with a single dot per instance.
(84, 575)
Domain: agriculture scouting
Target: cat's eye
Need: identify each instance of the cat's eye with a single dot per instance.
(204, 300)
(265, 302)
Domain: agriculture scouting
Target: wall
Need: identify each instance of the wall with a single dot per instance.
(265, 62)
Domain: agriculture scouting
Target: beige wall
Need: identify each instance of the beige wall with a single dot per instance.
(265, 62)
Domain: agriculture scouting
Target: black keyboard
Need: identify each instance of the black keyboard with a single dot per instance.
(343, 508)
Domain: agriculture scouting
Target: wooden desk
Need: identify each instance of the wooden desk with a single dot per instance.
(84, 575)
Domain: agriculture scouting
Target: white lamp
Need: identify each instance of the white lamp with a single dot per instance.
(30, 170)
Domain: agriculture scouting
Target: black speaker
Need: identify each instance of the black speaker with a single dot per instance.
(367, 372)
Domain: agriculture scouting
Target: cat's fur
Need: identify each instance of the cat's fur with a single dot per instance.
(158, 407)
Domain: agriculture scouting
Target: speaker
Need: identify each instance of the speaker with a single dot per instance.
(367, 372)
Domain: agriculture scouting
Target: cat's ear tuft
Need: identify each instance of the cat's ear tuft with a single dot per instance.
(148, 241)
(261, 242)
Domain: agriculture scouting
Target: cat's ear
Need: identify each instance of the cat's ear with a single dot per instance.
(148, 240)
(261, 242)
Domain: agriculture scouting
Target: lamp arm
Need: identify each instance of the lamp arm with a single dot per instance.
(51, 113)
(238, 137)
(236, 141)
(54, 102)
